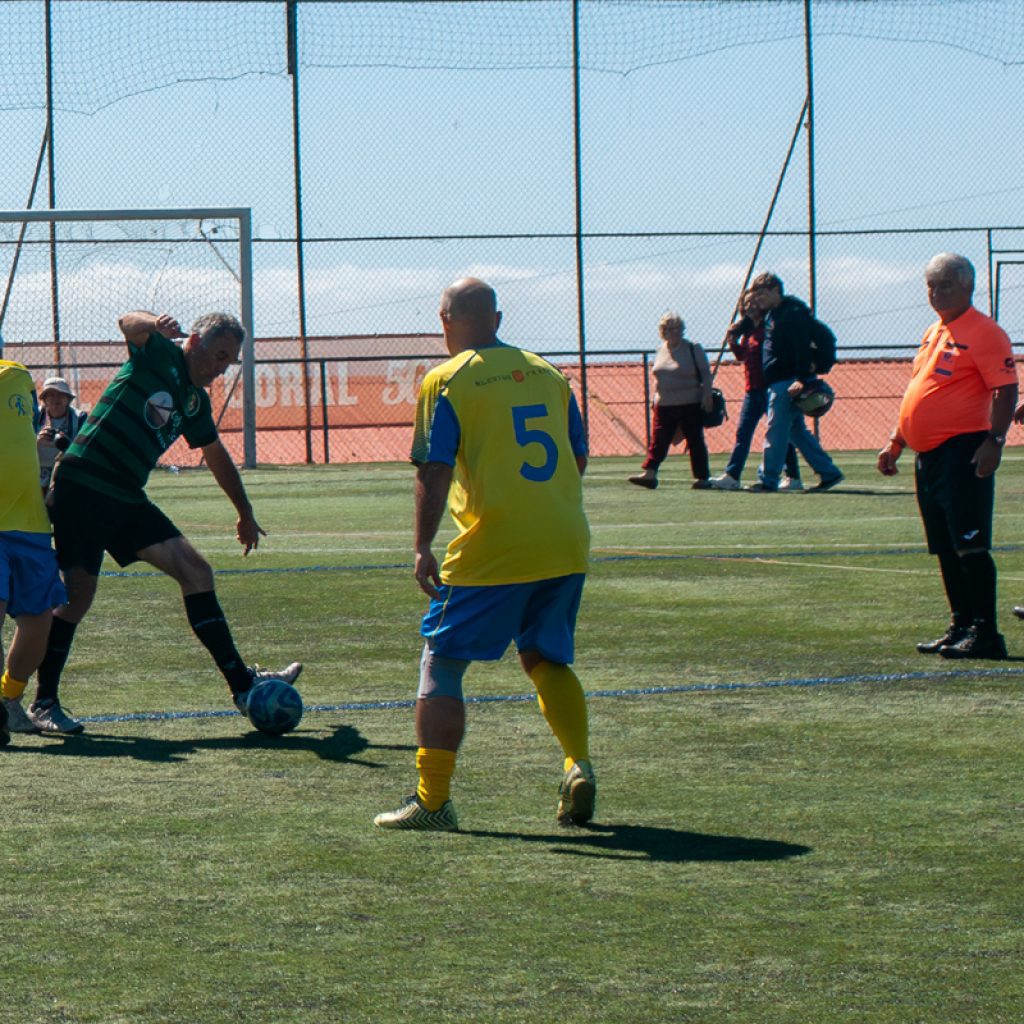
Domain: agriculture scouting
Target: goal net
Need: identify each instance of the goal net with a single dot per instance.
(67, 275)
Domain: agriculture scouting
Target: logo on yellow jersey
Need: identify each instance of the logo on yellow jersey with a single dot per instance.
(19, 405)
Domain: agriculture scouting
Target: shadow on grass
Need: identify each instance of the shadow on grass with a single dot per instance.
(650, 843)
(869, 492)
(341, 744)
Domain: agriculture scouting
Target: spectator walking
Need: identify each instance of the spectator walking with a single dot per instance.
(682, 390)
(745, 338)
(789, 362)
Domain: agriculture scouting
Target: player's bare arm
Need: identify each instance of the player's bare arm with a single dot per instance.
(433, 479)
(138, 326)
(225, 472)
(987, 458)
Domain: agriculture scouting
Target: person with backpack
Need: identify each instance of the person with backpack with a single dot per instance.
(744, 338)
(797, 347)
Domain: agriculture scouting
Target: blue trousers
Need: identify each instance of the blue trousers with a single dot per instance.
(755, 405)
(786, 425)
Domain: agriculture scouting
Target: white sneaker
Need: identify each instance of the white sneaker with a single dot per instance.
(17, 720)
(289, 674)
(257, 675)
(725, 483)
(49, 717)
(787, 483)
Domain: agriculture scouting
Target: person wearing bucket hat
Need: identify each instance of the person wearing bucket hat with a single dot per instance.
(59, 423)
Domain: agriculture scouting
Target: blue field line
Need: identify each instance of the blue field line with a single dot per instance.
(645, 691)
(632, 556)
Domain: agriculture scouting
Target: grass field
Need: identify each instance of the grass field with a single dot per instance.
(800, 819)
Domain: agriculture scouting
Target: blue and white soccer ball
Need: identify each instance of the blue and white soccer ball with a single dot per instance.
(274, 707)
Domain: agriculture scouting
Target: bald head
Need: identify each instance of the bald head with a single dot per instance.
(469, 314)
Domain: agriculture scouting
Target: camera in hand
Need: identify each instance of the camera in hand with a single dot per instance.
(61, 441)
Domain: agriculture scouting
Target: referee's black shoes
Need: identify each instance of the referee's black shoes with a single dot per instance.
(977, 645)
(953, 635)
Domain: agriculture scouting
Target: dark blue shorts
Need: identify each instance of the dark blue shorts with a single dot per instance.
(478, 623)
(29, 581)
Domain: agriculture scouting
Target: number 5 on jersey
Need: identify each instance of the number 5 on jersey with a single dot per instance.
(526, 435)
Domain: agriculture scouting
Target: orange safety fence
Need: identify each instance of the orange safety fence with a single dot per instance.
(359, 407)
(370, 410)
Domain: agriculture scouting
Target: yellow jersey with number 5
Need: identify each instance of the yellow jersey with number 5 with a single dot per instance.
(508, 423)
(21, 498)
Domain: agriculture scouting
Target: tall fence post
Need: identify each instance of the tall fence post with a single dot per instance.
(51, 178)
(647, 400)
(291, 12)
(580, 310)
(324, 412)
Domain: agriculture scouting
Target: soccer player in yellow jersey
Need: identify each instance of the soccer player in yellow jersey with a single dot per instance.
(30, 585)
(498, 437)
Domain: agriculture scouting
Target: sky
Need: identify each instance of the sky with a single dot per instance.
(424, 121)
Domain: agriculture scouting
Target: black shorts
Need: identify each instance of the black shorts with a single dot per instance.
(86, 523)
(956, 505)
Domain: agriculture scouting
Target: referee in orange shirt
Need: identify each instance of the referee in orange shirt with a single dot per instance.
(955, 414)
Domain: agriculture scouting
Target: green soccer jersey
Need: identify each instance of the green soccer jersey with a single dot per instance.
(144, 410)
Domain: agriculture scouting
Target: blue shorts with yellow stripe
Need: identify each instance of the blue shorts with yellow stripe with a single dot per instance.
(478, 623)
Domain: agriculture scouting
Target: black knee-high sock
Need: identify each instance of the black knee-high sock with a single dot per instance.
(954, 579)
(979, 570)
(208, 623)
(58, 647)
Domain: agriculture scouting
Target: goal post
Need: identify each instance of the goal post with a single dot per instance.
(141, 261)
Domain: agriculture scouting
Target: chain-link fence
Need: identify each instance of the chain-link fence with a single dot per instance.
(360, 408)
(598, 161)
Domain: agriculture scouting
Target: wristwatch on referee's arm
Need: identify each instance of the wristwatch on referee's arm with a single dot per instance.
(998, 439)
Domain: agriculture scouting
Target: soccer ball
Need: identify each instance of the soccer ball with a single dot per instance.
(274, 707)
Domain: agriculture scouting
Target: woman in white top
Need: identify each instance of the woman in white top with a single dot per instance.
(682, 390)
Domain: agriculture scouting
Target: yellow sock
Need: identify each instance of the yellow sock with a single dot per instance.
(436, 768)
(564, 707)
(12, 688)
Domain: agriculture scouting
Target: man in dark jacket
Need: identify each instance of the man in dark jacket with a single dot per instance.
(789, 363)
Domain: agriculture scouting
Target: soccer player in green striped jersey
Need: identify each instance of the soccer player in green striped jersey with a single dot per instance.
(98, 501)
